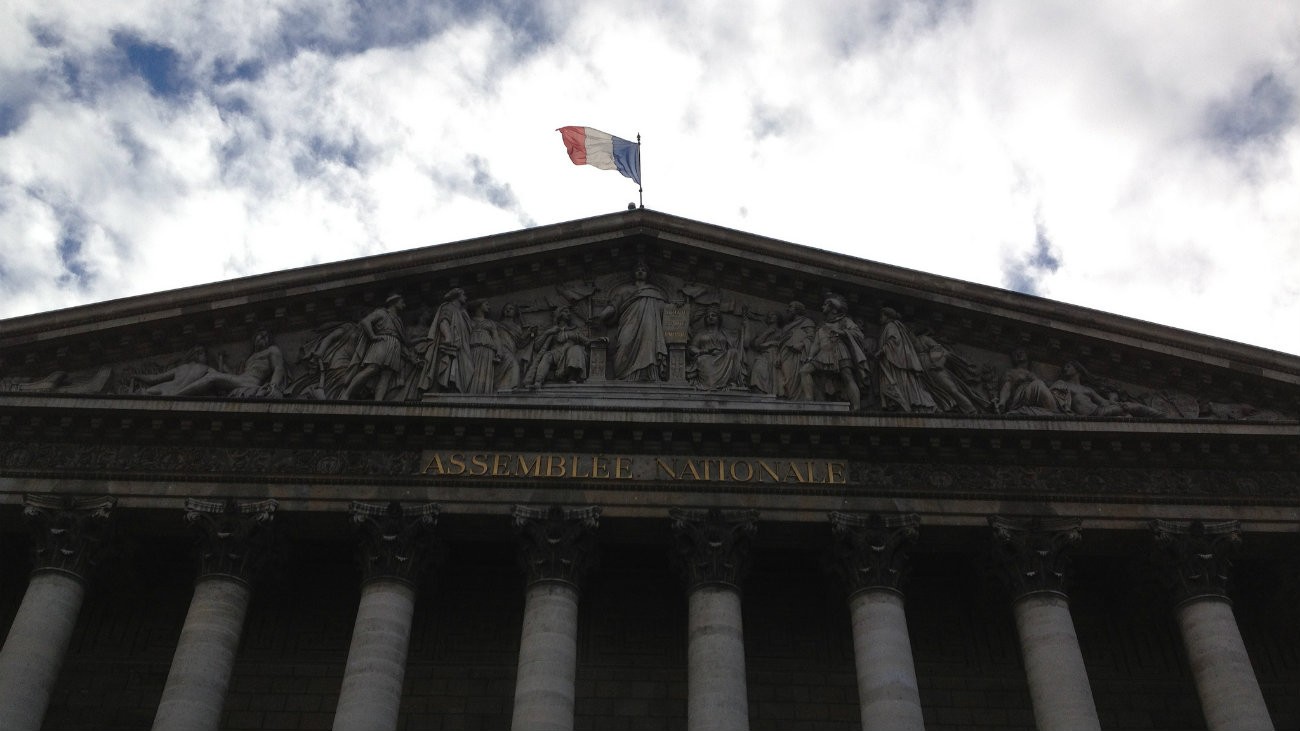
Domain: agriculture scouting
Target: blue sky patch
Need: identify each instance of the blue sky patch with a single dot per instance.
(160, 66)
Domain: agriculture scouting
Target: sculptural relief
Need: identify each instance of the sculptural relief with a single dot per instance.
(561, 352)
(952, 380)
(1023, 392)
(716, 357)
(796, 337)
(1075, 397)
(636, 311)
(263, 375)
(445, 352)
(661, 331)
(836, 365)
(387, 350)
(902, 372)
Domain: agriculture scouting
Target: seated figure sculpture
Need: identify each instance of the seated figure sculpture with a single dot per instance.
(563, 352)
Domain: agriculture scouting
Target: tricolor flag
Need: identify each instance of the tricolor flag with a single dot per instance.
(589, 146)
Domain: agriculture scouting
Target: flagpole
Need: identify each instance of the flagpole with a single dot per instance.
(640, 189)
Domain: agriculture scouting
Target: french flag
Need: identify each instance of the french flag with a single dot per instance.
(588, 146)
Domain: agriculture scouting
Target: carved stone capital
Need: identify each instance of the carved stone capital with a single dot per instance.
(1196, 557)
(556, 543)
(69, 534)
(713, 545)
(1031, 552)
(233, 537)
(393, 539)
(870, 551)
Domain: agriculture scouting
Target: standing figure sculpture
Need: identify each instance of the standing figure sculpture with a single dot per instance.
(764, 346)
(562, 350)
(484, 351)
(515, 341)
(640, 351)
(902, 373)
(796, 339)
(386, 351)
(718, 361)
(837, 358)
(263, 374)
(446, 350)
(946, 374)
(1023, 392)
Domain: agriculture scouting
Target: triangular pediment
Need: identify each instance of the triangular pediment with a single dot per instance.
(556, 316)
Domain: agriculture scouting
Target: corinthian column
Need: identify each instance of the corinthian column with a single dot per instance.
(393, 552)
(870, 553)
(232, 540)
(556, 547)
(1033, 562)
(1197, 559)
(713, 548)
(68, 536)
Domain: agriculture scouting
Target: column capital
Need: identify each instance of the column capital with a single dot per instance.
(394, 539)
(556, 543)
(713, 545)
(69, 534)
(233, 537)
(1196, 556)
(870, 551)
(1031, 552)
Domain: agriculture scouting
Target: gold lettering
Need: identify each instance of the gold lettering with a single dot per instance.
(770, 472)
(622, 468)
(500, 465)
(794, 472)
(458, 461)
(478, 465)
(690, 467)
(672, 473)
(600, 467)
(834, 473)
(435, 465)
(554, 466)
(576, 463)
(749, 472)
(524, 469)
(812, 472)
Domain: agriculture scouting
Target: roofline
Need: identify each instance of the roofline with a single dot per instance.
(351, 272)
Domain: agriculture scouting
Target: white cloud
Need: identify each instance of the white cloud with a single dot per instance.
(939, 136)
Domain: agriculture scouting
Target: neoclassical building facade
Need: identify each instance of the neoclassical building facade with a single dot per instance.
(640, 472)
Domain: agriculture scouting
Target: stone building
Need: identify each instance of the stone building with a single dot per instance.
(639, 472)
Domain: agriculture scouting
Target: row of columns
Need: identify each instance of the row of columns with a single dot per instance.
(556, 550)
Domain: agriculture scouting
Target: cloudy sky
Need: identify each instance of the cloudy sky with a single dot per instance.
(1141, 158)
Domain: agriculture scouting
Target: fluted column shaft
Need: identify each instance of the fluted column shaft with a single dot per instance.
(882, 649)
(1198, 562)
(68, 535)
(717, 696)
(392, 554)
(714, 551)
(1058, 681)
(205, 656)
(376, 667)
(1034, 563)
(556, 548)
(34, 650)
(548, 659)
(232, 542)
(870, 553)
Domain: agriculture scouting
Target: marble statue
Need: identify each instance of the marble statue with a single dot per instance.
(902, 371)
(386, 350)
(837, 360)
(445, 352)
